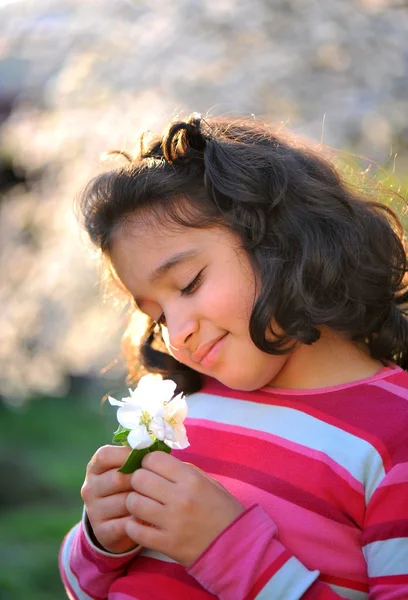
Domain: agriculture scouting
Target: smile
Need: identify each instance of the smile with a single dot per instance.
(208, 354)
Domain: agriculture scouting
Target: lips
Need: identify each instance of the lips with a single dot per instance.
(202, 351)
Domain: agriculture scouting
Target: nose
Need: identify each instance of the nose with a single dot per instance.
(180, 332)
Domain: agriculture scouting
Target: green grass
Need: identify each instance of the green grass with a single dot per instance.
(44, 449)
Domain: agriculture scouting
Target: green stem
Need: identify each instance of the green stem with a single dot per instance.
(134, 460)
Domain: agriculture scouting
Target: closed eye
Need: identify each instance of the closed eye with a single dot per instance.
(193, 285)
(189, 289)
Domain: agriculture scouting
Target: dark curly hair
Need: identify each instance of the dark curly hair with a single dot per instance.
(322, 254)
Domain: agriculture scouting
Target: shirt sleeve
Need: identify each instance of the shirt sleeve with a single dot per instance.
(385, 536)
(87, 571)
(247, 561)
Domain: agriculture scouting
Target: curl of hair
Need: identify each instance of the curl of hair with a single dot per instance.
(322, 255)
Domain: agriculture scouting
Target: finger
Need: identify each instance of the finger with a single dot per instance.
(107, 458)
(110, 483)
(112, 531)
(112, 507)
(145, 535)
(165, 465)
(152, 485)
(208, 477)
(146, 509)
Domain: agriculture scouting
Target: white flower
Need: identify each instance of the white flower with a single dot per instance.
(150, 414)
(170, 426)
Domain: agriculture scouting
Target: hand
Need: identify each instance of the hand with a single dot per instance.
(186, 509)
(104, 493)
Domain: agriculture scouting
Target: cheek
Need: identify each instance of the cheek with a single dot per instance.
(228, 302)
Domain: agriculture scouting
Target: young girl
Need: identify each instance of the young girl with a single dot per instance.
(277, 292)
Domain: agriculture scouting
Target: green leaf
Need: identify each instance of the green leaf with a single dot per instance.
(163, 447)
(134, 460)
(120, 429)
(120, 436)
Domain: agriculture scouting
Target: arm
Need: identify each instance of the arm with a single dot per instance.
(231, 552)
(97, 550)
(247, 559)
(86, 570)
(385, 536)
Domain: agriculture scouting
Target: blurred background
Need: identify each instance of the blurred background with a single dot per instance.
(78, 78)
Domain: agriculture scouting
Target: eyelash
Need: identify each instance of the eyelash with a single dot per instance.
(193, 285)
(188, 290)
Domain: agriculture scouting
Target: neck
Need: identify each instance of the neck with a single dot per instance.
(332, 360)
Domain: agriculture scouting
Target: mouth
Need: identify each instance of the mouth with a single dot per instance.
(206, 354)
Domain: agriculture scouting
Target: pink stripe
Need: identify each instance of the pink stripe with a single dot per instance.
(75, 544)
(275, 485)
(336, 410)
(239, 555)
(86, 571)
(154, 579)
(317, 542)
(346, 583)
(390, 579)
(389, 591)
(320, 591)
(388, 503)
(246, 515)
(377, 417)
(397, 528)
(269, 572)
(85, 574)
(239, 533)
(309, 453)
(394, 389)
(93, 571)
(120, 596)
(399, 474)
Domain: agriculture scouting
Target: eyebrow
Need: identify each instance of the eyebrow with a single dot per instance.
(170, 263)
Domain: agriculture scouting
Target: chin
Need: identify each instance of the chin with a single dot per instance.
(243, 384)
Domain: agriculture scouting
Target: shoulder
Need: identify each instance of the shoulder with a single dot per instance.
(386, 402)
(374, 410)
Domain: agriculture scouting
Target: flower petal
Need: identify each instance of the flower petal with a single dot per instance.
(176, 410)
(153, 385)
(178, 440)
(115, 402)
(139, 438)
(129, 416)
(158, 428)
(167, 388)
(151, 393)
(182, 444)
(181, 439)
(148, 382)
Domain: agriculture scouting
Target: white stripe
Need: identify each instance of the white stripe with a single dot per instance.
(290, 582)
(72, 580)
(389, 557)
(156, 555)
(348, 593)
(356, 455)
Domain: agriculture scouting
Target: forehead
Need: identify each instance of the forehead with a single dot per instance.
(141, 246)
(148, 239)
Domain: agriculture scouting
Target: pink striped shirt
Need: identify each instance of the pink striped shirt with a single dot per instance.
(324, 476)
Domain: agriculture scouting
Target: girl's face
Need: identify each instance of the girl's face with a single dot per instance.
(199, 285)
